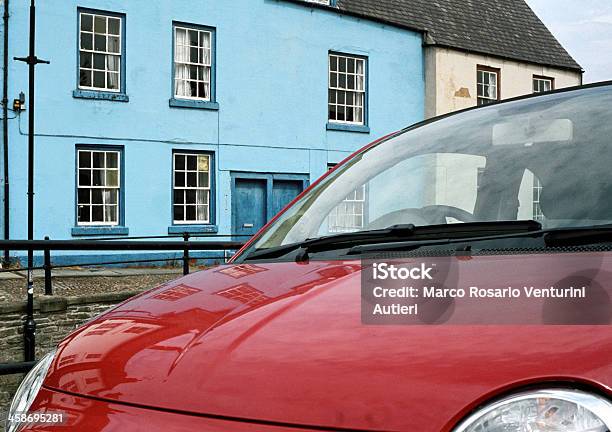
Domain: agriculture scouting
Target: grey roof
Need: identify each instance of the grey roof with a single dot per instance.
(503, 28)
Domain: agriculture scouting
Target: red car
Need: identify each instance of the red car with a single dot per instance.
(507, 199)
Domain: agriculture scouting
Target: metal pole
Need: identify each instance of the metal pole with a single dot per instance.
(30, 325)
(5, 139)
(47, 267)
(186, 255)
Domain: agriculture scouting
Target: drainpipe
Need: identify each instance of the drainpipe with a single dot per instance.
(5, 129)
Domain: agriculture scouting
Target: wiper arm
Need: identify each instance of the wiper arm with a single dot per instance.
(456, 233)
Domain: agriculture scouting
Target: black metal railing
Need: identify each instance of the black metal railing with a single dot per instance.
(148, 244)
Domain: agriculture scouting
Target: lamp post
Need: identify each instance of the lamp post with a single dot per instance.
(32, 61)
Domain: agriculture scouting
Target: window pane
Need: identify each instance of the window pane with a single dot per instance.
(113, 44)
(192, 179)
(98, 160)
(84, 178)
(179, 162)
(84, 159)
(190, 197)
(193, 38)
(96, 196)
(99, 61)
(100, 24)
(191, 162)
(86, 22)
(85, 59)
(179, 213)
(202, 197)
(332, 112)
(110, 214)
(98, 177)
(203, 163)
(351, 65)
(99, 80)
(86, 41)
(203, 180)
(83, 196)
(205, 39)
(179, 179)
(191, 213)
(112, 159)
(112, 178)
(85, 78)
(100, 43)
(179, 197)
(193, 55)
(111, 196)
(202, 213)
(112, 80)
(83, 214)
(114, 26)
(97, 213)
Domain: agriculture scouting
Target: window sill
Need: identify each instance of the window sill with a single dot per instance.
(100, 95)
(193, 229)
(82, 231)
(197, 104)
(348, 128)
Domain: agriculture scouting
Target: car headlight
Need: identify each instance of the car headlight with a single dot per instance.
(27, 391)
(555, 410)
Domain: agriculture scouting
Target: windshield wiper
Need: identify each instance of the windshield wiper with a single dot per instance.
(397, 234)
(552, 237)
(577, 236)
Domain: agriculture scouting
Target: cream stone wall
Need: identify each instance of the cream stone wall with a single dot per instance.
(451, 78)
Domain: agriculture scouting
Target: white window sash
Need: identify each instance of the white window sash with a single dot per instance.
(90, 188)
(106, 53)
(183, 63)
(207, 190)
(356, 93)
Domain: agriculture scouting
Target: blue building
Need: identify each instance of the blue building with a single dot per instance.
(202, 116)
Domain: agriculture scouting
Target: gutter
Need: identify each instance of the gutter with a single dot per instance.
(5, 139)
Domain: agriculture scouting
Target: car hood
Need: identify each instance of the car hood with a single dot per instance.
(284, 342)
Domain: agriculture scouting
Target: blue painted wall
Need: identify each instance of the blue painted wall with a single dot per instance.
(271, 86)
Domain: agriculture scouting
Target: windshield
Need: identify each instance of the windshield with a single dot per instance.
(546, 158)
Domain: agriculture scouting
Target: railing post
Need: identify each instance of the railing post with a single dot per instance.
(186, 255)
(47, 268)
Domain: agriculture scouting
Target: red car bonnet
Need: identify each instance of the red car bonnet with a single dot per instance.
(284, 343)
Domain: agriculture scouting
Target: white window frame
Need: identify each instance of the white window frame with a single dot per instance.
(322, 2)
(202, 63)
(539, 84)
(196, 189)
(337, 89)
(342, 219)
(106, 53)
(104, 187)
(536, 194)
(482, 85)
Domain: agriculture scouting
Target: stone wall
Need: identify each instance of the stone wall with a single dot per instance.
(55, 317)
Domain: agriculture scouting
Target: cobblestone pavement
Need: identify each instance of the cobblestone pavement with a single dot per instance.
(73, 283)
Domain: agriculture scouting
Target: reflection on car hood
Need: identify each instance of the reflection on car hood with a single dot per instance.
(284, 342)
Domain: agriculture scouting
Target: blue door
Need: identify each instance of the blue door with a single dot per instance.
(258, 197)
(249, 204)
(283, 192)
